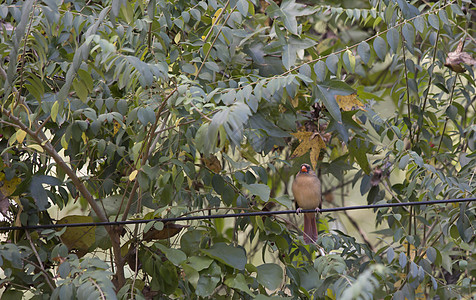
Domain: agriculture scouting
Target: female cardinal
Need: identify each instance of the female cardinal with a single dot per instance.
(307, 193)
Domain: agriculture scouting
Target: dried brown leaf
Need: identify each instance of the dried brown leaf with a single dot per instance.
(349, 102)
(309, 141)
(212, 163)
(169, 230)
(458, 57)
(78, 238)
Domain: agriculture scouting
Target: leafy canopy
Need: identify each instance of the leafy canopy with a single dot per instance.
(127, 110)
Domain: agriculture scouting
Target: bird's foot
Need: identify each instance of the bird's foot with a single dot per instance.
(298, 211)
(318, 209)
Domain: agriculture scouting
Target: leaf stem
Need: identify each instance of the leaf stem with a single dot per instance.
(450, 102)
(49, 281)
(409, 107)
(216, 37)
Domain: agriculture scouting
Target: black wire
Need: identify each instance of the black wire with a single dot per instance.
(246, 214)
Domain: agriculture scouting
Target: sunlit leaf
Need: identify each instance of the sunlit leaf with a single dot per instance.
(234, 257)
(349, 102)
(309, 141)
(78, 238)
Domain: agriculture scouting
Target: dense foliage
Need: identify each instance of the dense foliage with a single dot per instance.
(164, 108)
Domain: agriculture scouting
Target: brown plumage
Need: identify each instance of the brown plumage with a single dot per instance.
(307, 193)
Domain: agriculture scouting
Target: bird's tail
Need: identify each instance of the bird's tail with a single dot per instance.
(310, 228)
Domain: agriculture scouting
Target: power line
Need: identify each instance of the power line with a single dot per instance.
(235, 215)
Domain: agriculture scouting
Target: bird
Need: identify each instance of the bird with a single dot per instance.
(307, 194)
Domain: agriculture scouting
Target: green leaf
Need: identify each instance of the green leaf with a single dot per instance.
(146, 115)
(80, 55)
(285, 201)
(380, 47)
(270, 276)
(434, 21)
(364, 51)
(195, 13)
(359, 152)
(38, 192)
(116, 7)
(232, 256)
(409, 34)
(218, 184)
(402, 260)
(10, 294)
(199, 263)
(228, 195)
(326, 92)
(208, 280)
(409, 11)
(189, 68)
(232, 118)
(393, 39)
(66, 291)
(175, 256)
(332, 62)
(390, 255)
(81, 90)
(402, 164)
(211, 65)
(289, 56)
(191, 240)
(18, 35)
(431, 254)
(239, 282)
(242, 6)
(258, 189)
(229, 97)
(457, 9)
(349, 61)
(320, 70)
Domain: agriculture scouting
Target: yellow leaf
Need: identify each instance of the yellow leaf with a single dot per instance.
(85, 138)
(64, 143)
(78, 238)
(309, 140)
(331, 294)
(295, 101)
(349, 102)
(117, 126)
(177, 38)
(249, 154)
(177, 122)
(54, 111)
(9, 186)
(36, 147)
(133, 175)
(351, 60)
(215, 16)
(20, 136)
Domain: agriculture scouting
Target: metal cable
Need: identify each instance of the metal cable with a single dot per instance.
(235, 215)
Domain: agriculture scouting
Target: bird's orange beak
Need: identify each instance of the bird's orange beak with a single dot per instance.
(303, 169)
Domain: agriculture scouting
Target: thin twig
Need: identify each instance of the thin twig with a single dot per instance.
(409, 107)
(344, 49)
(423, 107)
(447, 117)
(216, 37)
(98, 288)
(49, 281)
(136, 270)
